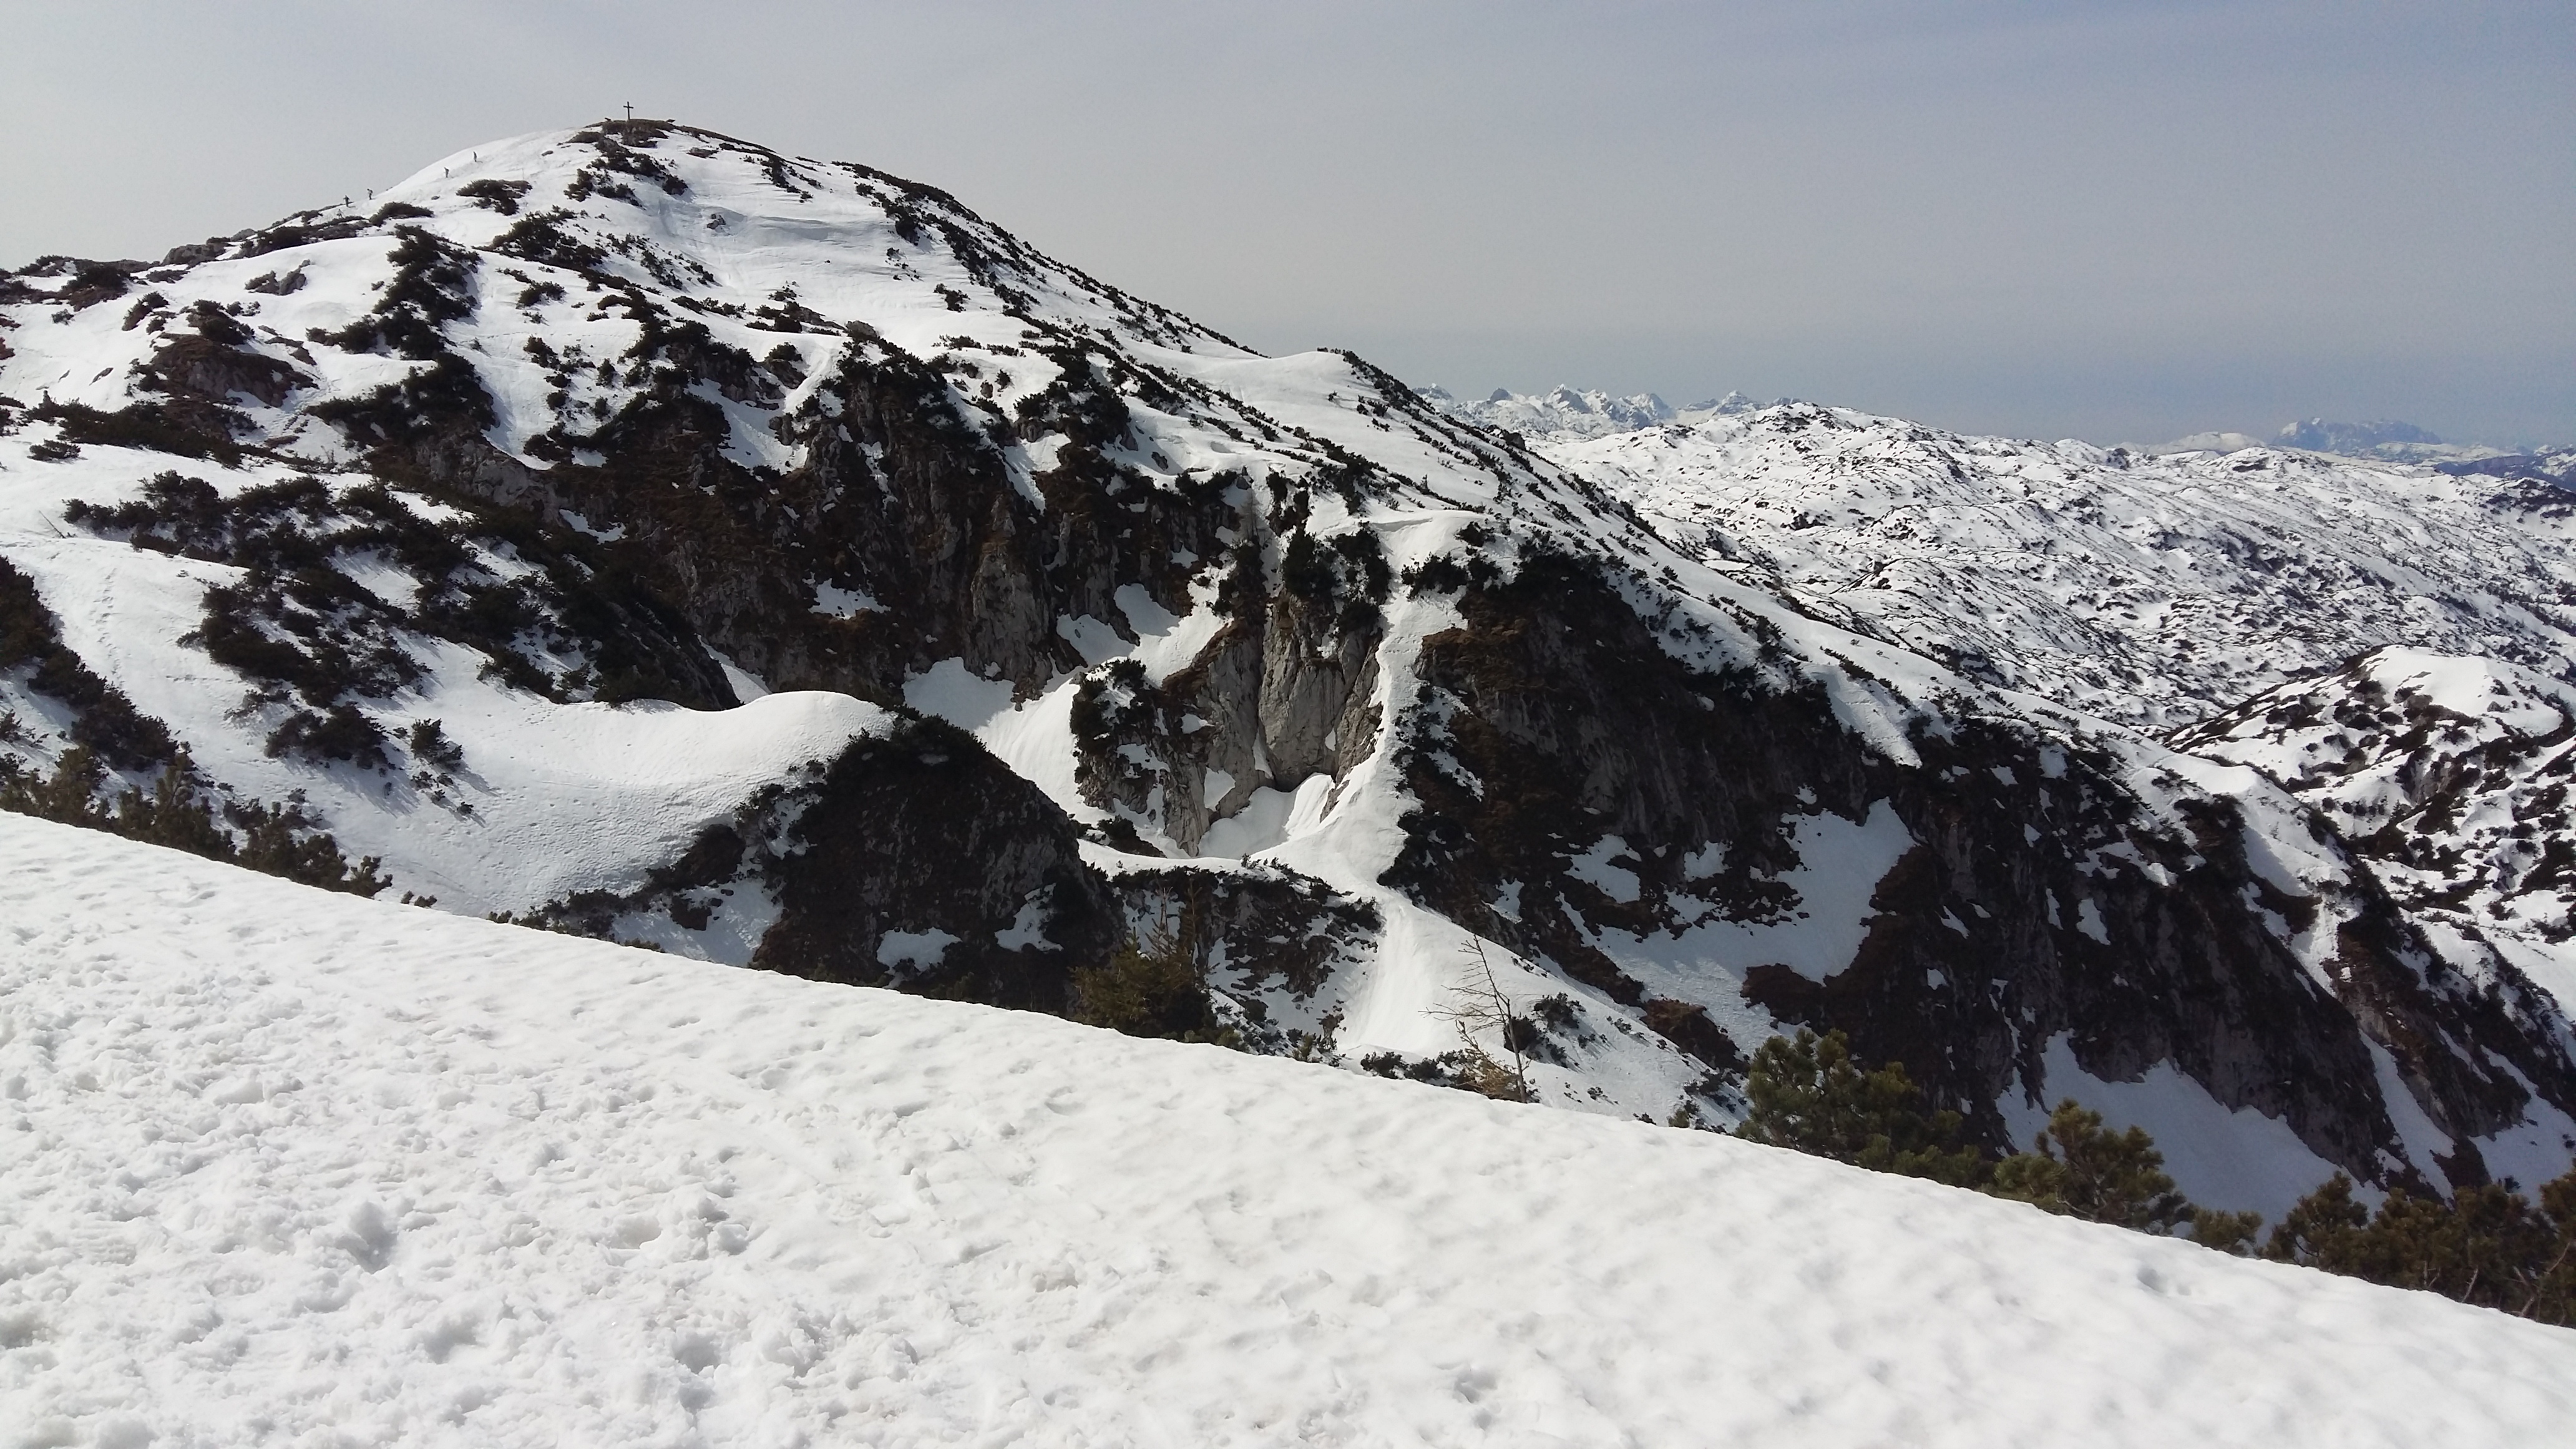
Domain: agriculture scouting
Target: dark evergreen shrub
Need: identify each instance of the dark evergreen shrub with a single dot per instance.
(1305, 572)
(177, 811)
(216, 325)
(2080, 1169)
(432, 285)
(284, 840)
(1151, 987)
(432, 748)
(339, 734)
(94, 282)
(1439, 574)
(143, 307)
(1807, 1093)
(540, 237)
(494, 192)
(150, 426)
(2489, 1245)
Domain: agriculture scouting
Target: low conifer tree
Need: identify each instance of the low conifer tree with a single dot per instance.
(1156, 984)
(1806, 1093)
(2079, 1168)
(2489, 1245)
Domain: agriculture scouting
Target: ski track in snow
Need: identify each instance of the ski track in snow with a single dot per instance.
(291, 1168)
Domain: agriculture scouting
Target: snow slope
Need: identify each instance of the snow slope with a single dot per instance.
(288, 1168)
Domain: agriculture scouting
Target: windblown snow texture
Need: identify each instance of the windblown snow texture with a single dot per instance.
(286, 1167)
(800, 571)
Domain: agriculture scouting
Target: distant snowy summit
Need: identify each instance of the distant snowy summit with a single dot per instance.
(2384, 439)
(1564, 414)
(2392, 442)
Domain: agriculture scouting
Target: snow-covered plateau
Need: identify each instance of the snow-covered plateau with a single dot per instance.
(2150, 589)
(289, 1168)
(645, 534)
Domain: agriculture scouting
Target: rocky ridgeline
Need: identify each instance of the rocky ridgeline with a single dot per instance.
(1207, 694)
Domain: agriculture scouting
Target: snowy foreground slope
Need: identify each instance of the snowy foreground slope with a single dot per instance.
(290, 1168)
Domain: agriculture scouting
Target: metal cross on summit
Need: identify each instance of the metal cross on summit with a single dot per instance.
(630, 113)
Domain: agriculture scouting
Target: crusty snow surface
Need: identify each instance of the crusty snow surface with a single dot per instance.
(291, 1168)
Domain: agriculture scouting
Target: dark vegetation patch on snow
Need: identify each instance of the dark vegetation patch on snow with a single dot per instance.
(124, 772)
(177, 429)
(565, 622)
(105, 722)
(497, 193)
(1231, 956)
(2488, 1244)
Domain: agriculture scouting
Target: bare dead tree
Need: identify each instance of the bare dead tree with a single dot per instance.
(1485, 1005)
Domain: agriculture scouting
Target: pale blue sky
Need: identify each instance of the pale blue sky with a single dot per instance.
(2122, 221)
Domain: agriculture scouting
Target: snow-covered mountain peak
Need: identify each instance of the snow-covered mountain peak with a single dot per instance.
(2383, 439)
(642, 533)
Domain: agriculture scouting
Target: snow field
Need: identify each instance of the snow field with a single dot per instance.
(292, 1168)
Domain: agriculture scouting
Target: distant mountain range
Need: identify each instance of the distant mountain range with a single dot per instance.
(1571, 413)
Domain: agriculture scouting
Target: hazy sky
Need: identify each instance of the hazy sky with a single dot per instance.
(2119, 220)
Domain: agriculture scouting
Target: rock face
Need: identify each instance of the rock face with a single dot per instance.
(638, 532)
(906, 839)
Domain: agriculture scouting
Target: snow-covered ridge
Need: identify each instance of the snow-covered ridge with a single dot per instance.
(1566, 414)
(2451, 774)
(286, 1165)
